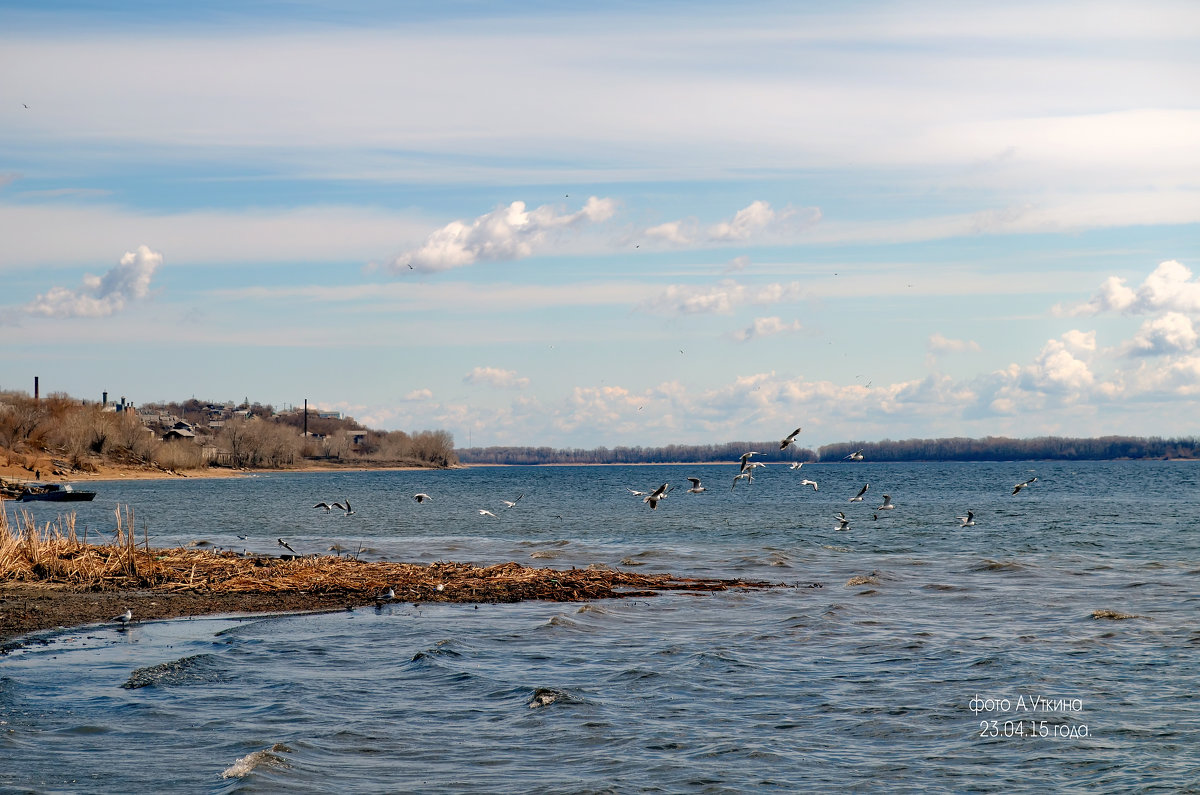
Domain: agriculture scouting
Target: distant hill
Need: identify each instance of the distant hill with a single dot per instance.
(991, 448)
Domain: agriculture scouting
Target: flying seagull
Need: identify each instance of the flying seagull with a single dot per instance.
(324, 505)
(486, 512)
(658, 494)
(511, 503)
(124, 618)
(855, 456)
(807, 482)
(347, 507)
(791, 437)
(968, 520)
(284, 544)
(887, 504)
(696, 487)
(843, 522)
(746, 460)
(422, 497)
(1020, 486)
(795, 465)
(746, 476)
(858, 497)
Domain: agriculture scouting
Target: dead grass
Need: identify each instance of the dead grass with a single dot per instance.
(53, 554)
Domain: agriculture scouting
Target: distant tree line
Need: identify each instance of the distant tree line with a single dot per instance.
(991, 448)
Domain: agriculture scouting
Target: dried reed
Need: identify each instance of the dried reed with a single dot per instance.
(53, 554)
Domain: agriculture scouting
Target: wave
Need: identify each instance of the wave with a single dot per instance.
(267, 757)
(197, 669)
(998, 565)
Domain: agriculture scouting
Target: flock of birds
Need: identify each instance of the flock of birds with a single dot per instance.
(746, 469)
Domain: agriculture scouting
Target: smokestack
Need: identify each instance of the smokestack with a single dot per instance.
(305, 418)
(104, 400)
(36, 394)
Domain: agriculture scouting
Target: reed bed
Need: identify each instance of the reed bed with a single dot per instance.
(54, 554)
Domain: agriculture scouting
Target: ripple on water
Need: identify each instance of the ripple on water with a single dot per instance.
(194, 670)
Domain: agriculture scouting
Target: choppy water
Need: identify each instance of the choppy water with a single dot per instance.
(967, 659)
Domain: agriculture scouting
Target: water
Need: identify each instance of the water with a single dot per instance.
(966, 660)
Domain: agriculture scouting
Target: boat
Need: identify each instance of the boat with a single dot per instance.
(54, 492)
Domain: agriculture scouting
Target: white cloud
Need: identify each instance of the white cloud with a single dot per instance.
(1169, 333)
(939, 343)
(496, 377)
(766, 327)
(721, 298)
(102, 296)
(1169, 287)
(506, 233)
(419, 395)
(758, 219)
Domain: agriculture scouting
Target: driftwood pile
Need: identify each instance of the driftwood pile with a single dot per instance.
(54, 554)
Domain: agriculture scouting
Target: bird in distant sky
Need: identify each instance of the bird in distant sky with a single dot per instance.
(284, 544)
(859, 497)
(791, 437)
(422, 497)
(1020, 486)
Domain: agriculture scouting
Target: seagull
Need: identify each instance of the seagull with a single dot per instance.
(858, 497)
(635, 492)
(386, 595)
(843, 522)
(746, 476)
(791, 437)
(345, 507)
(422, 497)
(855, 456)
(284, 544)
(658, 494)
(807, 482)
(746, 460)
(795, 465)
(753, 465)
(511, 503)
(1020, 486)
(325, 505)
(486, 512)
(696, 487)
(887, 504)
(968, 520)
(124, 618)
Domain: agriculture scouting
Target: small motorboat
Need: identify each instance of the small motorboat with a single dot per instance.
(54, 492)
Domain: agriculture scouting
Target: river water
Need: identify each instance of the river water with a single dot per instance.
(906, 654)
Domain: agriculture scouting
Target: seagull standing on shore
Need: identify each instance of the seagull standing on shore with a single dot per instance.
(859, 497)
(284, 544)
(124, 618)
(791, 437)
(1020, 486)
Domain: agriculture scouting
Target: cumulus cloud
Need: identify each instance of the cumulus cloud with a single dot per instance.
(1169, 333)
(720, 299)
(496, 377)
(1062, 365)
(506, 233)
(102, 296)
(766, 327)
(756, 219)
(1169, 287)
(419, 394)
(939, 343)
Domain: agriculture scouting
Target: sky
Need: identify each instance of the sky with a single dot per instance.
(581, 225)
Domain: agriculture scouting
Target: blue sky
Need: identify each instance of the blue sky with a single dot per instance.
(624, 224)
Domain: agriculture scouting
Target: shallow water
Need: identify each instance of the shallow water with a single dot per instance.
(963, 659)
